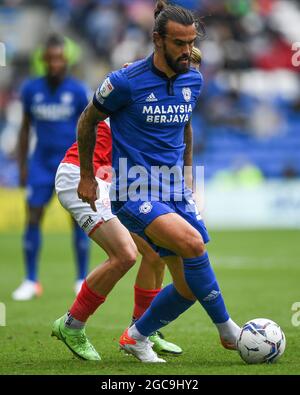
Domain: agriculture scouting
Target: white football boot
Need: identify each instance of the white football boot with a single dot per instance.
(27, 291)
(229, 333)
(141, 349)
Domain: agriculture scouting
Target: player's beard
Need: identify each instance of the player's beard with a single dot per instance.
(175, 64)
(56, 77)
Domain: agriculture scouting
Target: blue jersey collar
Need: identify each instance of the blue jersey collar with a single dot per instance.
(159, 72)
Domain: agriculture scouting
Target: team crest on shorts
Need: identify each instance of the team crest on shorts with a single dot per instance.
(187, 94)
(145, 208)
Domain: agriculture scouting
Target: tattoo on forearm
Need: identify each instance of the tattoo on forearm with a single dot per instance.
(87, 140)
(188, 139)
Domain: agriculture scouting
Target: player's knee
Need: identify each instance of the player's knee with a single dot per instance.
(194, 246)
(127, 258)
(34, 219)
(155, 261)
(197, 248)
(34, 215)
(159, 267)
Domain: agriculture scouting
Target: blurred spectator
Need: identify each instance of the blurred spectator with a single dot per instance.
(290, 172)
(274, 53)
(230, 110)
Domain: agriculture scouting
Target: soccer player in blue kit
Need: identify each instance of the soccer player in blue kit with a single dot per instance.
(149, 105)
(51, 105)
(107, 232)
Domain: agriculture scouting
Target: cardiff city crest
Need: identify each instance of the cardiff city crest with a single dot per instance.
(187, 94)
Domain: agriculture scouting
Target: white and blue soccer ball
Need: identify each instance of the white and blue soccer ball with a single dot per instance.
(261, 341)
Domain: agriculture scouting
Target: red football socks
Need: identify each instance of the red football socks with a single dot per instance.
(142, 300)
(86, 303)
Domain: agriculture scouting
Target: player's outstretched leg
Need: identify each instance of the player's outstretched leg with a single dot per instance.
(201, 279)
(107, 231)
(185, 234)
(170, 303)
(116, 241)
(148, 284)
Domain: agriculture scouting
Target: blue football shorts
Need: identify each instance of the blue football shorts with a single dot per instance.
(136, 216)
(40, 182)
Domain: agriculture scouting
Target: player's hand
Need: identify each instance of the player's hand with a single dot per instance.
(23, 176)
(87, 191)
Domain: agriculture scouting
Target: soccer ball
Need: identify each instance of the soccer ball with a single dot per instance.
(261, 341)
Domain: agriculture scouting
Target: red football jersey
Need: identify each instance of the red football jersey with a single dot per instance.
(102, 154)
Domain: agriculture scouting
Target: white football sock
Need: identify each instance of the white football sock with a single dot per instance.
(229, 330)
(72, 323)
(135, 334)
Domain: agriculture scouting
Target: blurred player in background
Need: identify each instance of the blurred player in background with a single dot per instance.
(51, 105)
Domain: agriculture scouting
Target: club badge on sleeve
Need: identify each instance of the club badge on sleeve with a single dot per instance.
(106, 88)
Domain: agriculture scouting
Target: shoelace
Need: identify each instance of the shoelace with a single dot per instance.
(159, 334)
(80, 339)
(149, 345)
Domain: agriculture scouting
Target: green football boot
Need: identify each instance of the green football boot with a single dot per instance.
(162, 347)
(75, 340)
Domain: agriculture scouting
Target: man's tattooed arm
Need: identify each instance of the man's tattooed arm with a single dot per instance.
(87, 188)
(87, 138)
(188, 155)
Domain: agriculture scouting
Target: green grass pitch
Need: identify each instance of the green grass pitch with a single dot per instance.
(259, 273)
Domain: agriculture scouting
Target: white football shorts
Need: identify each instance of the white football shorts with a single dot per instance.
(66, 184)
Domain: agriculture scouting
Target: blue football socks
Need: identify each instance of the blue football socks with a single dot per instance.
(165, 307)
(201, 279)
(31, 248)
(81, 249)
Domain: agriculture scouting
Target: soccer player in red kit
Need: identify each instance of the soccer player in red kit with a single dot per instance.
(152, 267)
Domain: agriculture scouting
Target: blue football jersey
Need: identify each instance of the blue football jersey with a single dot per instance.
(54, 114)
(148, 113)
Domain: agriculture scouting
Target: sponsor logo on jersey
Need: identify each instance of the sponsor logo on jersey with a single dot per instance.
(145, 208)
(66, 98)
(38, 97)
(151, 98)
(187, 94)
(52, 112)
(168, 114)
